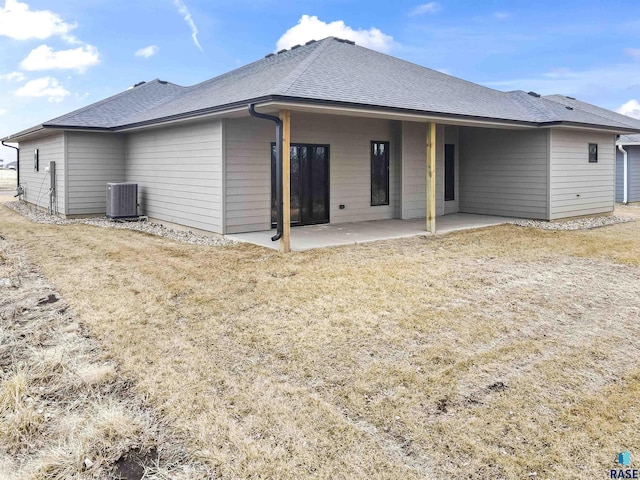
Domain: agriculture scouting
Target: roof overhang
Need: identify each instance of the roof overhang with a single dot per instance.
(388, 113)
(30, 132)
(44, 130)
(274, 103)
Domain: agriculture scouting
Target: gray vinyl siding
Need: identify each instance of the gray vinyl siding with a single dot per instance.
(503, 172)
(395, 180)
(94, 159)
(620, 175)
(440, 129)
(577, 186)
(248, 167)
(414, 170)
(349, 139)
(248, 174)
(179, 173)
(633, 172)
(36, 184)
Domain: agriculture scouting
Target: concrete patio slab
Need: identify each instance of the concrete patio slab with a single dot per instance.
(330, 235)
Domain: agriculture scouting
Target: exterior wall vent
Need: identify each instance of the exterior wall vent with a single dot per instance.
(122, 200)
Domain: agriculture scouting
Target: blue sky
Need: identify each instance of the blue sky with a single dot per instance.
(58, 56)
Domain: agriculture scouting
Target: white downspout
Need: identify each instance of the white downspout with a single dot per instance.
(624, 175)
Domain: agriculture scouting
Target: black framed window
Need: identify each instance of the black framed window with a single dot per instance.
(379, 173)
(449, 172)
(593, 153)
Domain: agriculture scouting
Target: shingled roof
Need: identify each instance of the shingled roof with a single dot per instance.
(340, 73)
(594, 110)
(629, 140)
(113, 111)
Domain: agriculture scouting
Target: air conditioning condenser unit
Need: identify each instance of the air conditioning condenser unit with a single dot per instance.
(122, 200)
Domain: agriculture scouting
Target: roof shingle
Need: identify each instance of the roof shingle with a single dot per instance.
(332, 70)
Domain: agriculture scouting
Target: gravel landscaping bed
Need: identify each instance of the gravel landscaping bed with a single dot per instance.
(152, 228)
(578, 224)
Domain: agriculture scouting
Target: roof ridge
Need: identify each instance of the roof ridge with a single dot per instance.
(296, 73)
(244, 68)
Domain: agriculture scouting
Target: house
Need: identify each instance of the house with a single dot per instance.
(628, 169)
(627, 151)
(371, 137)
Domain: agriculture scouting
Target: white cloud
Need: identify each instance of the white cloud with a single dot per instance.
(311, 28)
(630, 108)
(43, 87)
(147, 52)
(17, 21)
(3, 111)
(633, 52)
(12, 77)
(501, 15)
(431, 7)
(184, 11)
(45, 58)
(560, 72)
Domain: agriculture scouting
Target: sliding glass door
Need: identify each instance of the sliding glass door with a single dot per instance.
(309, 184)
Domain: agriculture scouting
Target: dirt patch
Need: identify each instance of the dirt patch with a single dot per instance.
(51, 298)
(497, 387)
(131, 466)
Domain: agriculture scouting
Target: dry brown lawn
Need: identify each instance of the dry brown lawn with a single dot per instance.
(496, 353)
(66, 411)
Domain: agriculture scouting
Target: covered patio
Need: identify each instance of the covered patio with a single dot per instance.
(331, 235)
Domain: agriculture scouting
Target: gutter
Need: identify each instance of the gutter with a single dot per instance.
(624, 188)
(17, 149)
(22, 133)
(279, 209)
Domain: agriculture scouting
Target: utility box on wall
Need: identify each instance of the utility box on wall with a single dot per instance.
(122, 200)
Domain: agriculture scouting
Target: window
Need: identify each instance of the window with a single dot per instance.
(36, 161)
(379, 173)
(593, 153)
(449, 172)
